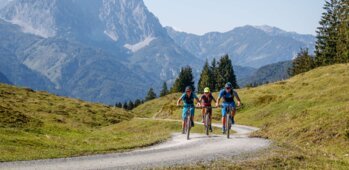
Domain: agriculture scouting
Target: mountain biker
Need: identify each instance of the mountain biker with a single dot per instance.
(206, 100)
(228, 95)
(188, 100)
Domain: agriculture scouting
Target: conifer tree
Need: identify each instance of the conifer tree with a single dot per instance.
(137, 102)
(164, 90)
(214, 74)
(206, 78)
(124, 106)
(185, 78)
(130, 105)
(343, 33)
(302, 63)
(151, 95)
(225, 73)
(327, 34)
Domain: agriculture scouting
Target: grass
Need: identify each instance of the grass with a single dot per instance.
(38, 125)
(307, 118)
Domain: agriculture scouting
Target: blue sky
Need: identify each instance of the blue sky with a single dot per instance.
(202, 16)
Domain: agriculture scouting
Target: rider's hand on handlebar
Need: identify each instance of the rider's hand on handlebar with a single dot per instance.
(216, 104)
(239, 104)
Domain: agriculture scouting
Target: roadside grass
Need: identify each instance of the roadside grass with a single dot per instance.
(38, 125)
(307, 118)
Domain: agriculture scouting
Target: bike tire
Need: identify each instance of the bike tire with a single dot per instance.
(207, 123)
(228, 123)
(188, 126)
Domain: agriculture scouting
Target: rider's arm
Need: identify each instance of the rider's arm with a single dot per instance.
(179, 100)
(218, 99)
(237, 97)
(213, 99)
(197, 100)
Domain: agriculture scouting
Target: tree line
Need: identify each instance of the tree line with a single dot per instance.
(332, 40)
(213, 75)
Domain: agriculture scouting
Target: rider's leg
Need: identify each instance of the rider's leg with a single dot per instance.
(203, 114)
(192, 111)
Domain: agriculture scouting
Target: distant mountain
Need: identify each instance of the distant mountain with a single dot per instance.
(252, 46)
(3, 79)
(270, 73)
(114, 50)
(101, 51)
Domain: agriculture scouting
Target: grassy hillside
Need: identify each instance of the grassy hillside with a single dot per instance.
(306, 116)
(35, 125)
(39, 125)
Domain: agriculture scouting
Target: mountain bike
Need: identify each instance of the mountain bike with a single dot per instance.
(207, 119)
(187, 120)
(229, 118)
(228, 121)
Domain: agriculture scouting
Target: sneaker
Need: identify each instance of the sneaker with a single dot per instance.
(211, 129)
(192, 123)
(232, 120)
(223, 130)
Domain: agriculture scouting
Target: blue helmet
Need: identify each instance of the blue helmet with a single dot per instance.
(228, 85)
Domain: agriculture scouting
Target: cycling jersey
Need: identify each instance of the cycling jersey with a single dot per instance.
(206, 101)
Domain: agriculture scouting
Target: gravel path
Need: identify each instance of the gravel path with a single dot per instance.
(178, 150)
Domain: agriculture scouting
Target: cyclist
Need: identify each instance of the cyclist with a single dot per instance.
(228, 95)
(188, 100)
(206, 100)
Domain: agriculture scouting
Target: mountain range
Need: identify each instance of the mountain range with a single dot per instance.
(114, 50)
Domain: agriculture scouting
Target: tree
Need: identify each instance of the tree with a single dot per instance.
(327, 34)
(184, 79)
(206, 78)
(151, 95)
(137, 102)
(343, 33)
(302, 63)
(130, 105)
(124, 106)
(214, 74)
(225, 73)
(164, 90)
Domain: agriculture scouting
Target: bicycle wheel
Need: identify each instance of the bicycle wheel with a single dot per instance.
(207, 123)
(228, 123)
(188, 126)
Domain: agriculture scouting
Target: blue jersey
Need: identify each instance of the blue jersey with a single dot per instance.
(188, 100)
(228, 97)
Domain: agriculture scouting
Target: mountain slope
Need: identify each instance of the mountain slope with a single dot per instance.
(269, 73)
(101, 51)
(3, 79)
(248, 46)
(306, 115)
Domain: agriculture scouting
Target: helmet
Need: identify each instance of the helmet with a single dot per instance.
(228, 85)
(188, 88)
(206, 90)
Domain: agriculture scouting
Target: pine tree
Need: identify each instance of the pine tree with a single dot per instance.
(124, 106)
(327, 34)
(206, 78)
(302, 63)
(137, 102)
(130, 105)
(225, 73)
(151, 95)
(184, 79)
(343, 33)
(164, 90)
(214, 74)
